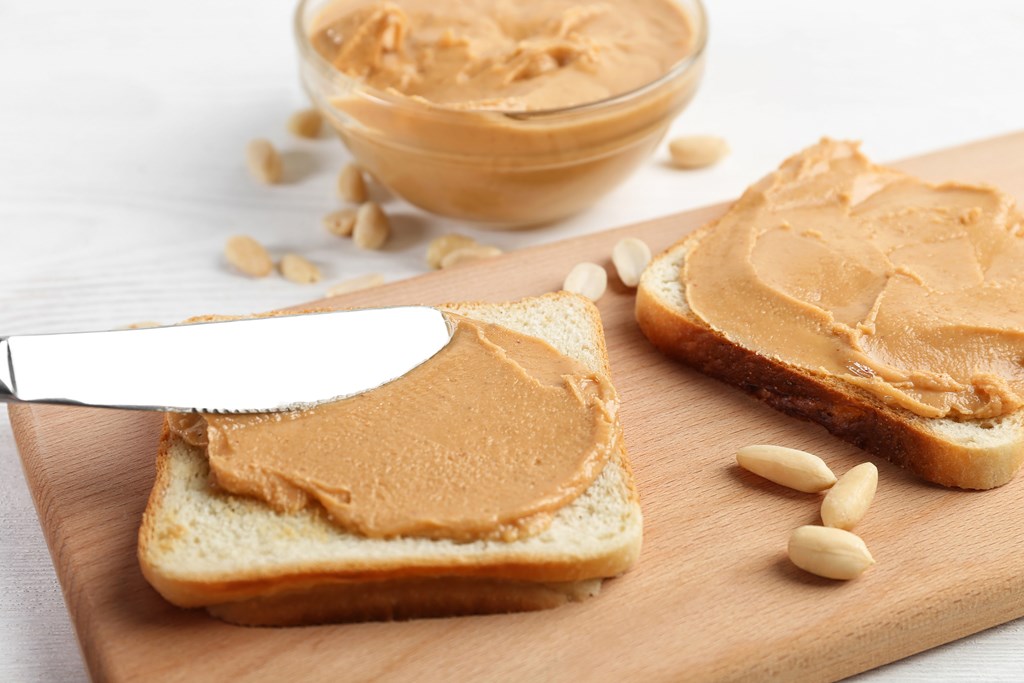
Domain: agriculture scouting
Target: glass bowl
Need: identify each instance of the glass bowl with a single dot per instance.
(498, 169)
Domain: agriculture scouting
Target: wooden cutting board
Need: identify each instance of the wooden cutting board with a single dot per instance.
(712, 597)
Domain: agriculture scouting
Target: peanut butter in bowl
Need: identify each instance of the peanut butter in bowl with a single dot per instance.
(498, 112)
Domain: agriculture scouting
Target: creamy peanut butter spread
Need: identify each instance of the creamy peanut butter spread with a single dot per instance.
(468, 108)
(504, 54)
(486, 440)
(910, 290)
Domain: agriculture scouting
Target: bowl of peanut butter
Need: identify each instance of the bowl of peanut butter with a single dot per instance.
(503, 113)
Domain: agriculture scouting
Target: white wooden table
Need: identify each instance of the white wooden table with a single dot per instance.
(122, 126)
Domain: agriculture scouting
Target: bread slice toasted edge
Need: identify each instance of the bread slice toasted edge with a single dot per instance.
(978, 454)
(200, 547)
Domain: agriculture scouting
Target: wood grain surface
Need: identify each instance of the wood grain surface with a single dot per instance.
(712, 597)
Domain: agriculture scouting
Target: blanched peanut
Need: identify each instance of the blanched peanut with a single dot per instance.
(787, 466)
(697, 151)
(340, 223)
(440, 247)
(248, 256)
(371, 229)
(306, 123)
(264, 162)
(474, 252)
(587, 279)
(297, 269)
(831, 553)
(848, 500)
(352, 185)
(630, 256)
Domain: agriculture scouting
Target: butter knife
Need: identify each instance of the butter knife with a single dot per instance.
(253, 365)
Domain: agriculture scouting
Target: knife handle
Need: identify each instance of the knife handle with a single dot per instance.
(6, 372)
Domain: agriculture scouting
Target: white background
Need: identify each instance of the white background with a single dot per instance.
(122, 125)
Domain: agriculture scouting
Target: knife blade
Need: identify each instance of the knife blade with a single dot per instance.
(252, 365)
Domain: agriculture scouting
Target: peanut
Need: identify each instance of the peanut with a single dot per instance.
(356, 284)
(587, 279)
(306, 123)
(297, 269)
(352, 185)
(697, 151)
(787, 466)
(475, 252)
(630, 256)
(848, 500)
(440, 247)
(371, 229)
(831, 553)
(264, 162)
(248, 256)
(340, 223)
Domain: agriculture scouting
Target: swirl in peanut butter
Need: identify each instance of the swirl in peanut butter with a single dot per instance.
(504, 54)
(910, 290)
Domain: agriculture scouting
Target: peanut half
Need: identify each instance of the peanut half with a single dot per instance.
(848, 500)
(356, 284)
(297, 269)
(248, 256)
(340, 223)
(630, 256)
(787, 466)
(474, 252)
(264, 162)
(351, 185)
(306, 123)
(697, 151)
(440, 247)
(828, 552)
(371, 229)
(587, 279)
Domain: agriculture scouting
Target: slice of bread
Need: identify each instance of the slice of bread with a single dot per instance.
(973, 454)
(247, 564)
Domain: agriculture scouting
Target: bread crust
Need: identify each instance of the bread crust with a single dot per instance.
(845, 410)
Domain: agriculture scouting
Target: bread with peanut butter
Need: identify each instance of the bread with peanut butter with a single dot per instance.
(259, 541)
(884, 308)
